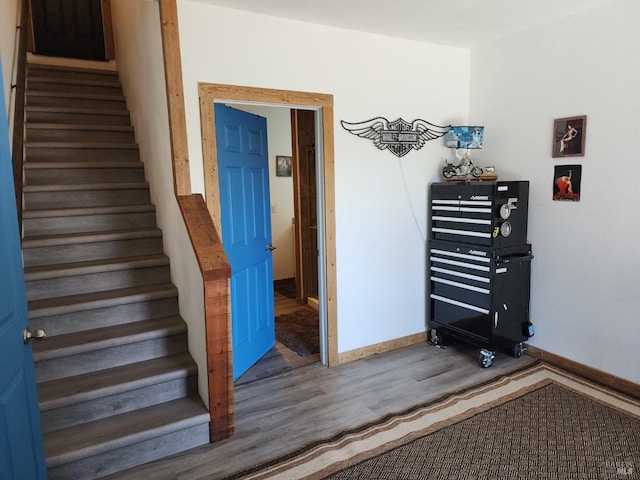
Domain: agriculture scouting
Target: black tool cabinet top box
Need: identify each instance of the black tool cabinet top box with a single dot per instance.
(491, 214)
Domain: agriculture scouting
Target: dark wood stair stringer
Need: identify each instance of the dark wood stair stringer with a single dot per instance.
(116, 383)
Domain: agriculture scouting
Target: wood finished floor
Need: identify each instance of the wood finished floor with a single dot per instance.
(282, 413)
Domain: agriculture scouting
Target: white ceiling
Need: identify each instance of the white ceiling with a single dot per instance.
(463, 23)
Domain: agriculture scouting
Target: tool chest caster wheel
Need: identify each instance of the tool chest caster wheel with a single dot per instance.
(436, 337)
(518, 349)
(485, 358)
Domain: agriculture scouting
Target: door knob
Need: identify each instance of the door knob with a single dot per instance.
(38, 334)
(270, 247)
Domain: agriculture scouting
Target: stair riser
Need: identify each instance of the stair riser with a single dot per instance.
(73, 118)
(87, 223)
(35, 134)
(85, 198)
(132, 455)
(71, 102)
(74, 285)
(69, 366)
(108, 405)
(53, 74)
(82, 252)
(43, 85)
(48, 154)
(106, 317)
(81, 176)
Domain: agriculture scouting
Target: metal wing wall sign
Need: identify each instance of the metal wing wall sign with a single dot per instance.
(399, 136)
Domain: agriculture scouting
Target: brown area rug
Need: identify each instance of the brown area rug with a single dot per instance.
(539, 422)
(299, 331)
(288, 289)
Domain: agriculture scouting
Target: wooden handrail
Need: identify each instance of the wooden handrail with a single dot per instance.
(216, 272)
(175, 96)
(17, 156)
(205, 240)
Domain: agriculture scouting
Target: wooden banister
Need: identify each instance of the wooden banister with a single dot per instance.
(216, 272)
(19, 108)
(175, 96)
(205, 240)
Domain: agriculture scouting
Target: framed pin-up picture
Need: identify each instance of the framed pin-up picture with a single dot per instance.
(566, 182)
(569, 135)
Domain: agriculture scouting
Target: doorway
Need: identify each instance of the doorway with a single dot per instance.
(290, 161)
(290, 132)
(72, 28)
(322, 107)
(246, 215)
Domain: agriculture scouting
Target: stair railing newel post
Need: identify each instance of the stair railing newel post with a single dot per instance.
(216, 273)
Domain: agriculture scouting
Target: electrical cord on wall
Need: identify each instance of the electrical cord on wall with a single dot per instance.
(411, 208)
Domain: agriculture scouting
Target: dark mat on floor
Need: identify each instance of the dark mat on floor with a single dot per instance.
(288, 289)
(299, 331)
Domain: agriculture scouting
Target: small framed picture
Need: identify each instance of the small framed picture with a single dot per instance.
(283, 166)
(569, 135)
(490, 170)
(566, 182)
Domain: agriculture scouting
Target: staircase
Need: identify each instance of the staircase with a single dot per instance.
(116, 384)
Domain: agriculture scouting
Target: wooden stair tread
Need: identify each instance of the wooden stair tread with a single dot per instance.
(81, 211)
(59, 270)
(75, 238)
(64, 187)
(106, 82)
(84, 164)
(83, 110)
(81, 388)
(66, 68)
(93, 438)
(89, 96)
(100, 338)
(102, 145)
(76, 126)
(88, 301)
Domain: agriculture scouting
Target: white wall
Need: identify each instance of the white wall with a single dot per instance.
(585, 273)
(585, 294)
(380, 199)
(281, 188)
(139, 58)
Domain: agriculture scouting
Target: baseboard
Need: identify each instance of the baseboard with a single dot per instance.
(284, 281)
(313, 303)
(364, 352)
(617, 383)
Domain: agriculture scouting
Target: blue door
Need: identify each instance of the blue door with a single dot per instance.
(21, 450)
(243, 173)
